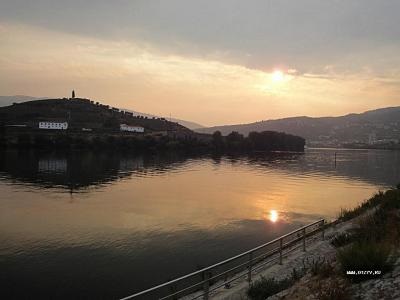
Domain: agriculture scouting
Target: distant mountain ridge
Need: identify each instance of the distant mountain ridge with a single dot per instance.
(9, 100)
(371, 127)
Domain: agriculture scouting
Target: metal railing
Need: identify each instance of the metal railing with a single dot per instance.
(200, 283)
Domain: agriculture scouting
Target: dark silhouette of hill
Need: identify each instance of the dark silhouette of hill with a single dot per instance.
(81, 113)
(371, 127)
(9, 100)
(187, 124)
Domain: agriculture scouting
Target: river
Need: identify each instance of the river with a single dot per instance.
(87, 225)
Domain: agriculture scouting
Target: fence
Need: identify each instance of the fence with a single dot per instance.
(200, 283)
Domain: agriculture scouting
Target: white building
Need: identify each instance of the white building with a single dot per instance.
(53, 125)
(124, 127)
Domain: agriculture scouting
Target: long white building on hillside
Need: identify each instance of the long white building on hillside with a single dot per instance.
(53, 125)
(125, 127)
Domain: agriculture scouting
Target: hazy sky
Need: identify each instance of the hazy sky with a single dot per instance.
(212, 62)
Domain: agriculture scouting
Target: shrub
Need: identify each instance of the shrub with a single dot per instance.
(297, 274)
(342, 239)
(348, 214)
(263, 288)
(322, 268)
(371, 227)
(382, 224)
(365, 256)
(333, 289)
(391, 199)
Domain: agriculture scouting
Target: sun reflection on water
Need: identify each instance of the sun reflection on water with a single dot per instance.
(273, 216)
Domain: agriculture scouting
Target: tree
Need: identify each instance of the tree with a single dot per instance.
(217, 140)
(235, 141)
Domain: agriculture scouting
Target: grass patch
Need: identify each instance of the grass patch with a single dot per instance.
(374, 239)
(263, 288)
(365, 256)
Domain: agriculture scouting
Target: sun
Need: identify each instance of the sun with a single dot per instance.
(277, 76)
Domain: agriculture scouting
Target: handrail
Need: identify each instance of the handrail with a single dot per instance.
(202, 271)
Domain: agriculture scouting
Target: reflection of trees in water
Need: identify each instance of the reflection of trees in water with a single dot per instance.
(74, 170)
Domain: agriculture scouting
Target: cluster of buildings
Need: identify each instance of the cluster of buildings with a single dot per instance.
(64, 126)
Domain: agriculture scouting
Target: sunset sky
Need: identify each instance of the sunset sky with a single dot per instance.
(211, 62)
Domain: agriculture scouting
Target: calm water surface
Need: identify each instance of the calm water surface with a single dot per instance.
(103, 225)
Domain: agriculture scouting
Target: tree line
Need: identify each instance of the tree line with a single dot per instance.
(257, 141)
(233, 142)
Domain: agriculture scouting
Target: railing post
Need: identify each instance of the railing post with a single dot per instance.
(206, 285)
(250, 265)
(323, 229)
(304, 239)
(280, 250)
(173, 290)
(227, 285)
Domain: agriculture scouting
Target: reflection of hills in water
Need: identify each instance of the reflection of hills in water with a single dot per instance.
(82, 169)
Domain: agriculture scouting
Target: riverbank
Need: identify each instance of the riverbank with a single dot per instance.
(363, 239)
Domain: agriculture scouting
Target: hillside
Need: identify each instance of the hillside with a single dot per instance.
(187, 124)
(81, 113)
(9, 100)
(381, 126)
